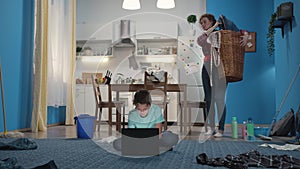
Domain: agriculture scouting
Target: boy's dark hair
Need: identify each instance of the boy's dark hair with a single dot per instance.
(142, 97)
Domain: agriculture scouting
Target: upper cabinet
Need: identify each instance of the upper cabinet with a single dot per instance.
(93, 40)
(151, 38)
(156, 30)
(94, 47)
(93, 32)
(157, 41)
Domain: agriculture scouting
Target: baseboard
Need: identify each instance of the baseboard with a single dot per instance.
(240, 125)
(29, 129)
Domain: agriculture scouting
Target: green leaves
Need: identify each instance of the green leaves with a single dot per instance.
(192, 18)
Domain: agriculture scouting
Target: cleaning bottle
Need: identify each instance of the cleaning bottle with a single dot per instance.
(234, 128)
(250, 128)
(244, 132)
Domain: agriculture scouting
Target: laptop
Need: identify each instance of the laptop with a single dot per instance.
(140, 142)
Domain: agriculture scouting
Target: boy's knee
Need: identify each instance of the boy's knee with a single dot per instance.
(117, 144)
(169, 139)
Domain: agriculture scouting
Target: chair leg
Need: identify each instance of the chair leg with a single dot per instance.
(118, 119)
(190, 119)
(100, 115)
(97, 116)
(124, 116)
(180, 117)
(166, 117)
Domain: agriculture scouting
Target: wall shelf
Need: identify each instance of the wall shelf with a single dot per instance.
(280, 23)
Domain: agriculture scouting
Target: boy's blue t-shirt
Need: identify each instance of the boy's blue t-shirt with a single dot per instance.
(154, 117)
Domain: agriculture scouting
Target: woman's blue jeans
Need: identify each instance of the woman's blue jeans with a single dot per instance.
(214, 96)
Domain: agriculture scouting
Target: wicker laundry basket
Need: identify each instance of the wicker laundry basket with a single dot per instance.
(232, 55)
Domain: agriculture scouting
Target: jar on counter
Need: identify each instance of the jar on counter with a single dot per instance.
(140, 50)
(145, 50)
(174, 50)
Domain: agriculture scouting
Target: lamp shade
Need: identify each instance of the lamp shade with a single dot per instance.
(165, 4)
(131, 4)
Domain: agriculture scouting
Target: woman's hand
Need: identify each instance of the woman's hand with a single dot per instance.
(245, 38)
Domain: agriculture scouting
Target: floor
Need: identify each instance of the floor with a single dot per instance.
(197, 132)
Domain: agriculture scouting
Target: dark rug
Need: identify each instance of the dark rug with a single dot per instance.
(86, 154)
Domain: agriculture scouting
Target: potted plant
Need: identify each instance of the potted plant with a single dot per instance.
(191, 19)
(270, 35)
(78, 49)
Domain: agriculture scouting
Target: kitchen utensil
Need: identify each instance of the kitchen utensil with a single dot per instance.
(108, 77)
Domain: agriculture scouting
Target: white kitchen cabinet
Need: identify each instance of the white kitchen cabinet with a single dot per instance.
(89, 100)
(156, 30)
(84, 99)
(79, 99)
(98, 39)
(156, 50)
(93, 31)
(94, 47)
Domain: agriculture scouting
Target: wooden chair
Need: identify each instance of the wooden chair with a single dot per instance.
(195, 104)
(158, 89)
(100, 104)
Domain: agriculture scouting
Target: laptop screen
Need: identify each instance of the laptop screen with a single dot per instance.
(140, 141)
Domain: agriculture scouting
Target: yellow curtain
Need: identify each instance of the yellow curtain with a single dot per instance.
(70, 110)
(39, 112)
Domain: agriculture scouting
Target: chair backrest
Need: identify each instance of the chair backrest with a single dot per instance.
(96, 89)
(157, 88)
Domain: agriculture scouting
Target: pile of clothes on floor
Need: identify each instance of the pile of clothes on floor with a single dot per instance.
(20, 144)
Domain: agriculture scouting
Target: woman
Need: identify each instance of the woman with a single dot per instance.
(213, 77)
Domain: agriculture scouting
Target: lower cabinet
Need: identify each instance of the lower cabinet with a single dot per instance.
(84, 100)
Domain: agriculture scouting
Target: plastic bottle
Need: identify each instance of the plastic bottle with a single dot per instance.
(250, 127)
(244, 130)
(234, 128)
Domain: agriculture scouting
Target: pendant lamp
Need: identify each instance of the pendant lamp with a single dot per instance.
(165, 4)
(131, 4)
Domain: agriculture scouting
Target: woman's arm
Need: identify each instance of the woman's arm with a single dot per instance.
(201, 40)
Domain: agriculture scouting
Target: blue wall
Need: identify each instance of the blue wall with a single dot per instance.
(16, 45)
(254, 96)
(56, 114)
(287, 61)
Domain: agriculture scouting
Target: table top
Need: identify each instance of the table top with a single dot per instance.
(135, 87)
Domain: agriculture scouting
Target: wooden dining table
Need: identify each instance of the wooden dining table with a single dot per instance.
(117, 88)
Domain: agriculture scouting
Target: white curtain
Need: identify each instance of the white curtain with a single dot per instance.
(59, 51)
